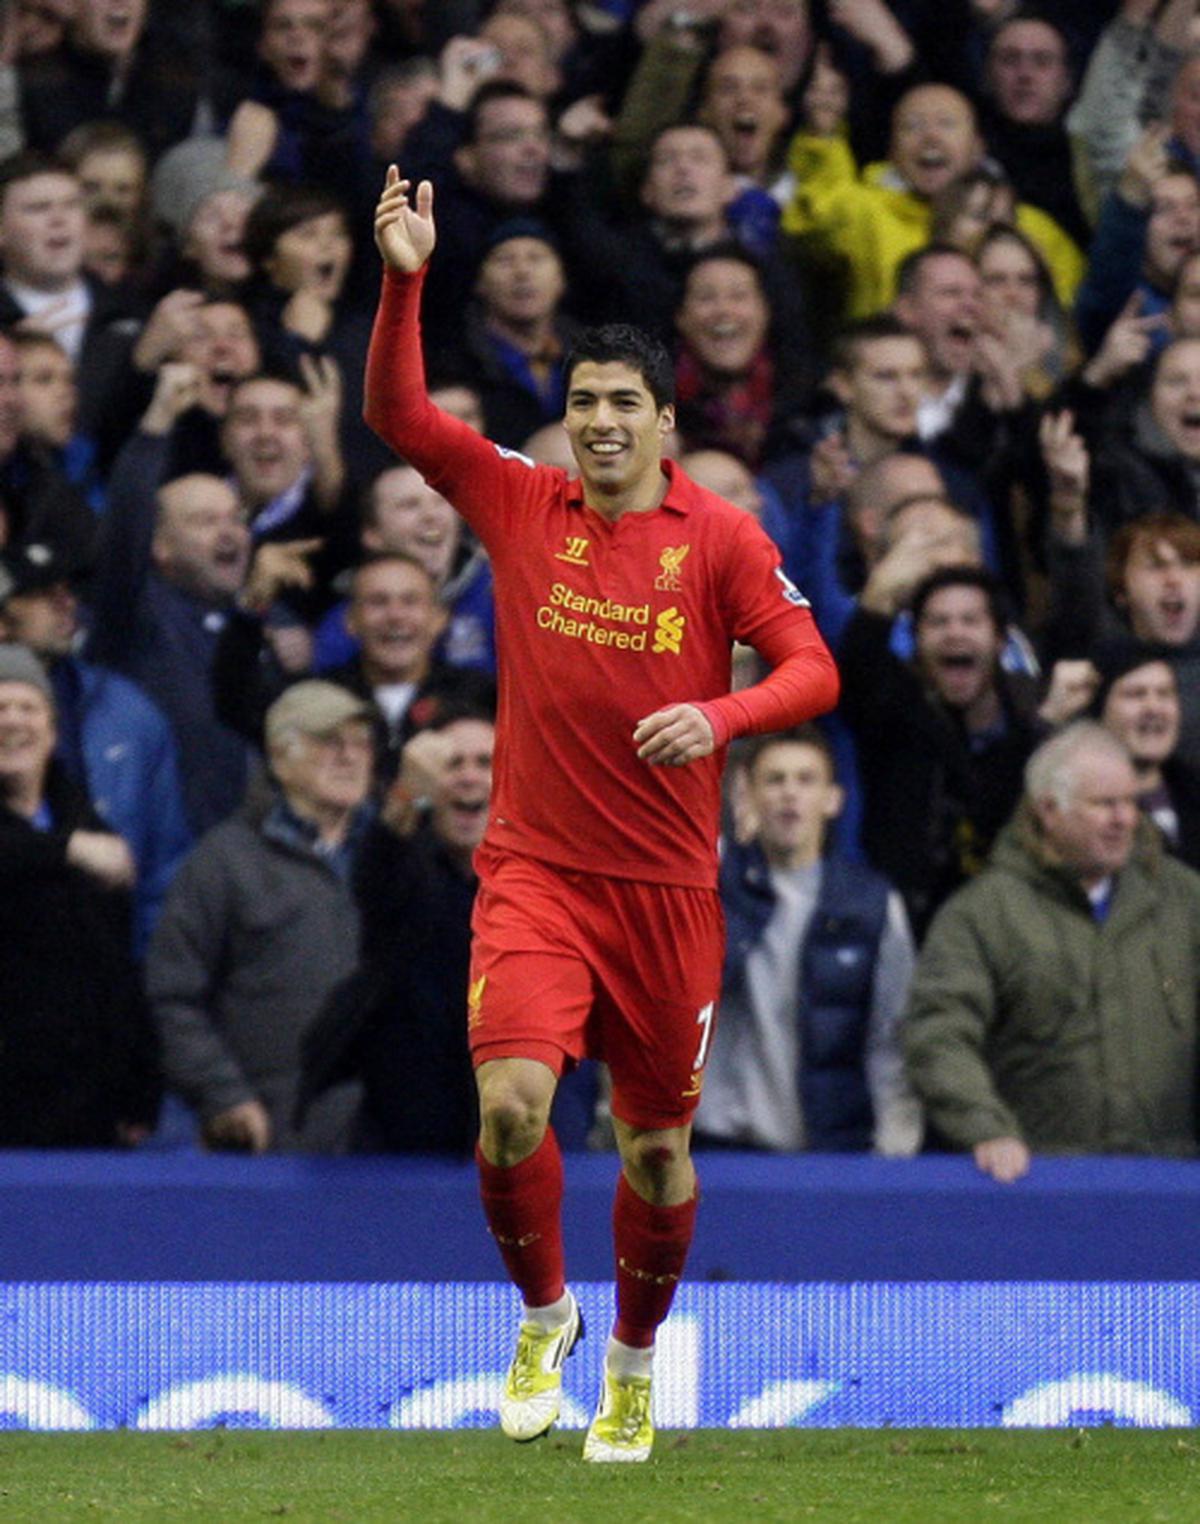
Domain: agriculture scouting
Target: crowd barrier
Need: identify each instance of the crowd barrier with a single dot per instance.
(182, 1291)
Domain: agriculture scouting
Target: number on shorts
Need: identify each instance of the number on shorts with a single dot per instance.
(705, 1021)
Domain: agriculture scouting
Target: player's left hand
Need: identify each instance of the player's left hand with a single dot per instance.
(674, 736)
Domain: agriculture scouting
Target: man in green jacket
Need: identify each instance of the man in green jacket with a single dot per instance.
(1054, 1006)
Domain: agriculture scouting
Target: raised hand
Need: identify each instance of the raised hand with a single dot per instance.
(1127, 343)
(1066, 458)
(404, 233)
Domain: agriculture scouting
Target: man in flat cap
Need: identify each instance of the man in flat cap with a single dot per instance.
(260, 924)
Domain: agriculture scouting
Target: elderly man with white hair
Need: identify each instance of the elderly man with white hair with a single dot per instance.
(1054, 1007)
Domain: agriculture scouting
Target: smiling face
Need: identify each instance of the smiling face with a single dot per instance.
(1142, 710)
(1009, 280)
(314, 255)
(1175, 396)
(464, 786)
(395, 616)
(724, 315)
(934, 138)
(616, 430)
(27, 737)
(1161, 591)
(264, 440)
(409, 516)
(744, 105)
(41, 230)
(958, 645)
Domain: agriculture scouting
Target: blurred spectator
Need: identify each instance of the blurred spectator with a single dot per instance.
(114, 249)
(874, 221)
(971, 206)
(41, 25)
(403, 514)
(486, 146)
(37, 503)
(516, 335)
(1137, 698)
(806, 1051)
(1028, 89)
(80, 1063)
(110, 162)
(396, 617)
(733, 387)
(399, 1025)
(1147, 228)
(204, 204)
(114, 64)
(112, 742)
(50, 412)
(1054, 1004)
(260, 924)
(172, 557)
(44, 283)
(1018, 306)
(958, 729)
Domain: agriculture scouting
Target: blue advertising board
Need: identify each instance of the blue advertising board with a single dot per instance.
(148, 1355)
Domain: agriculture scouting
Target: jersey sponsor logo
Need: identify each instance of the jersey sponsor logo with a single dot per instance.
(576, 551)
(475, 1001)
(514, 455)
(790, 591)
(668, 631)
(670, 561)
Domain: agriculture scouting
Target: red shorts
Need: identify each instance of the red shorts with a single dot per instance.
(568, 965)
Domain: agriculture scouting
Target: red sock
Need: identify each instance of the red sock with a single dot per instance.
(523, 1207)
(652, 1244)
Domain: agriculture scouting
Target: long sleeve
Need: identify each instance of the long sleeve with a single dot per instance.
(802, 685)
(123, 562)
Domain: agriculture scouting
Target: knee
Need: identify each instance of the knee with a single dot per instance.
(512, 1124)
(658, 1167)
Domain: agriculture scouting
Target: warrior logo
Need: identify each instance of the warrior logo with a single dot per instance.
(576, 552)
(671, 560)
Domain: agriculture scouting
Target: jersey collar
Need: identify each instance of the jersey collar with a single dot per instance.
(681, 498)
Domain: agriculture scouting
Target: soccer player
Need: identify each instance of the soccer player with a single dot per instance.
(597, 927)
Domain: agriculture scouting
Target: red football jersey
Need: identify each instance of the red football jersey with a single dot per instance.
(598, 624)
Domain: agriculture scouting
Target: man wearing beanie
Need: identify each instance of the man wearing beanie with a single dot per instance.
(79, 1065)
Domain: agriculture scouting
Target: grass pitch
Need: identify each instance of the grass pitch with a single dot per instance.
(1087, 1476)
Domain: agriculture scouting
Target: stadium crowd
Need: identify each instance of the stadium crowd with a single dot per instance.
(930, 271)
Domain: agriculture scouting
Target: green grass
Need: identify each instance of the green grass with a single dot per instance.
(1089, 1476)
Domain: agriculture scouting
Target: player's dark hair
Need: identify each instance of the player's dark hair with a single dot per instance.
(799, 735)
(622, 344)
(848, 345)
(963, 576)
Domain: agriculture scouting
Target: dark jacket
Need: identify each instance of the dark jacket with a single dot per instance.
(78, 1054)
(932, 801)
(399, 1024)
(837, 968)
